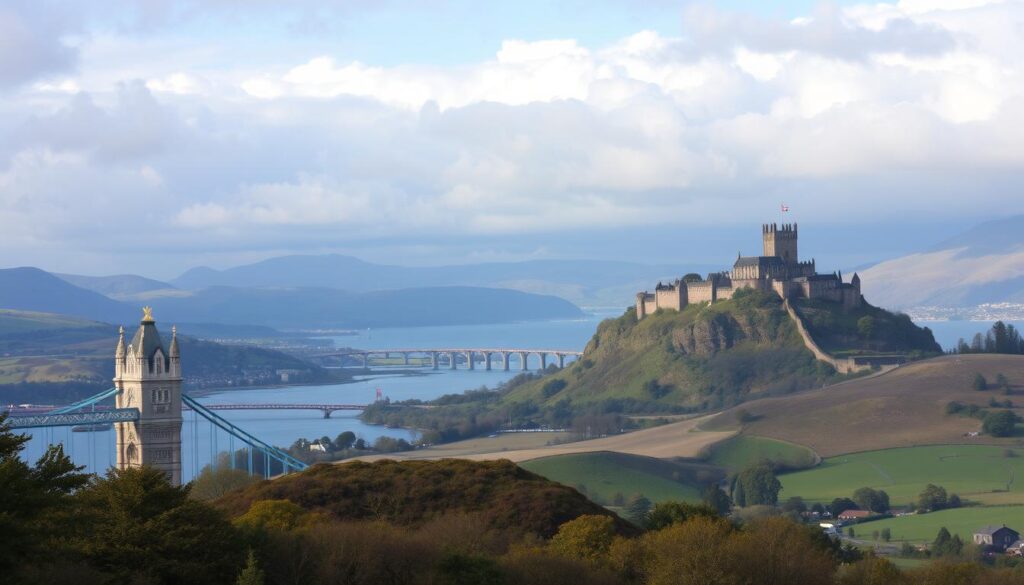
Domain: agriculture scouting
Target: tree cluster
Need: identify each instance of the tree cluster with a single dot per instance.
(1001, 338)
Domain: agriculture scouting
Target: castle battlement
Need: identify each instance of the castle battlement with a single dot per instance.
(779, 269)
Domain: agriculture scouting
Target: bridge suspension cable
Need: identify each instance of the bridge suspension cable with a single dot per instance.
(286, 460)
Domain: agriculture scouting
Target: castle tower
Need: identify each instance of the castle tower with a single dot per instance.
(780, 241)
(149, 379)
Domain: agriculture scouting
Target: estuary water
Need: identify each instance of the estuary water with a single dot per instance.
(200, 445)
(95, 450)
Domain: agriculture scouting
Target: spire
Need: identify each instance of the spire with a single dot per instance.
(174, 342)
(120, 352)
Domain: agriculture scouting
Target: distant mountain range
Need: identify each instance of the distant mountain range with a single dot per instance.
(984, 264)
(31, 289)
(584, 282)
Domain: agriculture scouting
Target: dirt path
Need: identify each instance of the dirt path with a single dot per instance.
(679, 439)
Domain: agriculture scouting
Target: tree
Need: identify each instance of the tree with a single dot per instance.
(871, 499)
(795, 505)
(818, 509)
(941, 540)
(850, 532)
(32, 497)
(279, 515)
(840, 505)
(1000, 423)
(637, 509)
(692, 277)
(212, 483)
(552, 387)
(665, 514)
(716, 499)
(954, 501)
(251, 574)
(738, 496)
(1002, 382)
(760, 486)
(587, 537)
(886, 534)
(344, 440)
(980, 383)
(655, 389)
(135, 526)
(866, 327)
(932, 498)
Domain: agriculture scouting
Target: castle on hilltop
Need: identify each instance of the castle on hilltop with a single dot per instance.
(779, 270)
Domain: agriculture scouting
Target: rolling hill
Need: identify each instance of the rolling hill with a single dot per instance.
(580, 281)
(118, 287)
(498, 493)
(319, 308)
(901, 408)
(31, 289)
(984, 264)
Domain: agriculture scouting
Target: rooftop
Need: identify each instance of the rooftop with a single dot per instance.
(994, 529)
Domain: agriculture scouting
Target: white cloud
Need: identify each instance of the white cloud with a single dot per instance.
(880, 102)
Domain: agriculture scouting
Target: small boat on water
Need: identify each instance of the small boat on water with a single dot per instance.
(92, 428)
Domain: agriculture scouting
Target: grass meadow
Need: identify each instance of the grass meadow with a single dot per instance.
(922, 528)
(979, 473)
(603, 474)
(738, 452)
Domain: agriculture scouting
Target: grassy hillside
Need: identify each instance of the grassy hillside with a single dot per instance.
(411, 492)
(922, 528)
(980, 473)
(902, 408)
(703, 357)
(864, 330)
(600, 476)
(739, 452)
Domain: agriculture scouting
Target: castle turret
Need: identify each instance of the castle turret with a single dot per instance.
(781, 241)
(855, 281)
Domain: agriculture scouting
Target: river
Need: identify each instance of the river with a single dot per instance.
(95, 450)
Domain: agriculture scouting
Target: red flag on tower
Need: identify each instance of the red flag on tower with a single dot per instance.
(785, 208)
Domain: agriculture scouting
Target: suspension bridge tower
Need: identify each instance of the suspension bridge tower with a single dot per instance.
(148, 378)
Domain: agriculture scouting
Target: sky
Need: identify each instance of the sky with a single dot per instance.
(153, 136)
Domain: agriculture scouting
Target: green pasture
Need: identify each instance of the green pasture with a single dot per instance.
(604, 474)
(738, 452)
(922, 528)
(980, 473)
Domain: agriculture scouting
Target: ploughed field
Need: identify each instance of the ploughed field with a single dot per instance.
(680, 439)
(979, 473)
(902, 408)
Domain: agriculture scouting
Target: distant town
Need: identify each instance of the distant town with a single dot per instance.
(982, 312)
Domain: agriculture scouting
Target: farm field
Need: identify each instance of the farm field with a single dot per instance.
(922, 528)
(680, 439)
(738, 452)
(911, 400)
(601, 475)
(980, 473)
